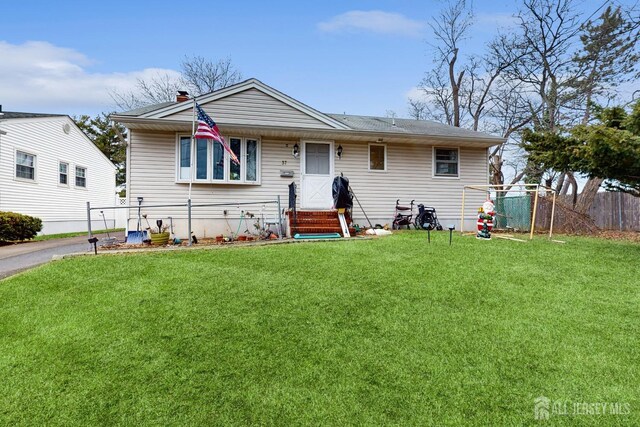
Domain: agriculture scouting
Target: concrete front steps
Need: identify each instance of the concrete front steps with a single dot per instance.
(317, 222)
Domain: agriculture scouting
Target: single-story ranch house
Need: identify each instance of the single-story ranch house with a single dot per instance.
(50, 169)
(280, 140)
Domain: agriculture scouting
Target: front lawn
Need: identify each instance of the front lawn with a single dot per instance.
(386, 331)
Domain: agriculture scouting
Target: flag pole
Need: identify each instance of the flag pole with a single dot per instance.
(191, 145)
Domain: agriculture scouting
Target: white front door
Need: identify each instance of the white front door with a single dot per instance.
(317, 175)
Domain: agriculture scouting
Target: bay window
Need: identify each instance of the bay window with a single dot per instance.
(213, 164)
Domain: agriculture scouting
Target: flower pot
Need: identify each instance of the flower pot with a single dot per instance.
(242, 238)
(160, 238)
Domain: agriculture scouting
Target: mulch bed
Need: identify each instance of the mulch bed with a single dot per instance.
(203, 242)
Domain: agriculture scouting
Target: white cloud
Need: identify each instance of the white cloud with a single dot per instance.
(415, 93)
(375, 21)
(39, 77)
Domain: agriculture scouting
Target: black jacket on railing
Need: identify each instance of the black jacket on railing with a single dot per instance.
(342, 199)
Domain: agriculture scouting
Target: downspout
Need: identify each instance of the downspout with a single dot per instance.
(1, 133)
(127, 184)
(126, 162)
(125, 141)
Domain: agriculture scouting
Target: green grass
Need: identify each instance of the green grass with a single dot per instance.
(387, 331)
(43, 237)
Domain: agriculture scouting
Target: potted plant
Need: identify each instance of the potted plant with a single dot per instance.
(159, 235)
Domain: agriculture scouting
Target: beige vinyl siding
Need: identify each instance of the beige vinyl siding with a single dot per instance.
(409, 176)
(45, 198)
(153, 177)
(252, 107)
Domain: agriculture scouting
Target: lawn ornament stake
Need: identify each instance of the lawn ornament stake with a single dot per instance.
(486, 214)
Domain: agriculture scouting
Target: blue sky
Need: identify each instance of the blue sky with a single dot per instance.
(336, 56)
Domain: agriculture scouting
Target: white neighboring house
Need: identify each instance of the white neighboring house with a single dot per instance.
(50, 169)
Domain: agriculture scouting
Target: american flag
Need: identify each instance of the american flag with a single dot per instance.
(205, 132)
(208, 129)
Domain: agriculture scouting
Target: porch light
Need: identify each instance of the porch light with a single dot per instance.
(339, 152)
(296, 151)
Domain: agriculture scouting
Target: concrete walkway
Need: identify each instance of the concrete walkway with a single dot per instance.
(22, 256)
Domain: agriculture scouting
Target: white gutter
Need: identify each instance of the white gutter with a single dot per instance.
(355, 135)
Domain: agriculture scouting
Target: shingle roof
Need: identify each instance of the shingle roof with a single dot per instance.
(145, 109)
(359, 123)
(408, 126)
(18, 115)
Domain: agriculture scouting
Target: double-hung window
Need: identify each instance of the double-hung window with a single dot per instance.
(213, 163)
(25, 166)
(377, 157)
(63, 173)
(202, 146)
(81, 177)
(447, 162)
(185, 159)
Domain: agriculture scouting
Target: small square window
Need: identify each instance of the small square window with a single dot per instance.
(446, 162)
(81, 177)
(25, 166)
(63, 173)
(377, 157)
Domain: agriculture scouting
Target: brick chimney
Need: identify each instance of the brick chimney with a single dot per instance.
(182, 96)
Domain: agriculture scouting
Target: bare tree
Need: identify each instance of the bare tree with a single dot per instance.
(450, 28)
(470, 91)
(204, 76)
(510, 112)
(417, 109)
(547, 32)
(198, 76)
(161, 87)
(437, 95)
(565, 81)
(437, 100)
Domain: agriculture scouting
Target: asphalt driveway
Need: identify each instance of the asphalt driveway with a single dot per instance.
(22, 256)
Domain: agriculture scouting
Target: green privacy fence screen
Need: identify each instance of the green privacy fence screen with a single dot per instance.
(514, 212)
